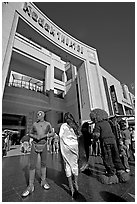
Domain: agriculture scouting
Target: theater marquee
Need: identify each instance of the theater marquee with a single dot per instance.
(48, 27)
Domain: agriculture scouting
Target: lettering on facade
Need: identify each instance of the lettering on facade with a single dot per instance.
(51, 30)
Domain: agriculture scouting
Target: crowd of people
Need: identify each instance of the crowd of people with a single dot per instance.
(53, 143)
(125, 142)
(9, 138)
(109, 139)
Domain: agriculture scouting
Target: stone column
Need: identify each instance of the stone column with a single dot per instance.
(8, 42)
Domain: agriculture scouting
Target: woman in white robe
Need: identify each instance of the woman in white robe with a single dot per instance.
(69, 150)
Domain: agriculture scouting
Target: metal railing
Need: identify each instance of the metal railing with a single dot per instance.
(27, 85)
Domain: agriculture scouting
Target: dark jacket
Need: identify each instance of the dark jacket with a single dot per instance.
(104, 132)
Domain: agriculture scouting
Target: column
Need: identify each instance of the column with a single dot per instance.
(50, 79)
(45, 81)
(52, 74)
(64, 79)
(8, 50)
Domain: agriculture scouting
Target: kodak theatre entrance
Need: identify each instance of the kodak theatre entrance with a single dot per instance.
(32, 32)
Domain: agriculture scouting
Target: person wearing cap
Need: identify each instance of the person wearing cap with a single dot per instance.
(41, 130)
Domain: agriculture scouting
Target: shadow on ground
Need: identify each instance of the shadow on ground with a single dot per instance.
(110, 197)
(61, 180)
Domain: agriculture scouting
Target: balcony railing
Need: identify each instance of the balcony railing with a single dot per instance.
(27, 85)
(19, 83)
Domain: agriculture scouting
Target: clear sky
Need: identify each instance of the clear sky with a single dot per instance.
(107, 26)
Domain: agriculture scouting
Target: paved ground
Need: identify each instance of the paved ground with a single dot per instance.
(15, 168)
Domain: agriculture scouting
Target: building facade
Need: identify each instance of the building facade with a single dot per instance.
(45, 68)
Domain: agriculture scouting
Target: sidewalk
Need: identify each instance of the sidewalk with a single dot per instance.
(15, 174)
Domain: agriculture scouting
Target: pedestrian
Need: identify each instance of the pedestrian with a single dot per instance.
(56, 143)
(109, 149)
(126, 135)
(69, 134)
(124, 154)
(132, 133)
(25, 143)
(40, 131)
(49, 144)
(87, 143)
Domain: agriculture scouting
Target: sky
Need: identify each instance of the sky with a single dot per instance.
(109, 27)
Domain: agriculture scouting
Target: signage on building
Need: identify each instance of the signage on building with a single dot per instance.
(114, 99)
(49, 28)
